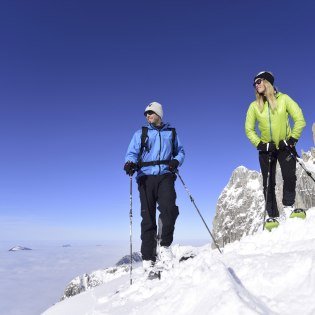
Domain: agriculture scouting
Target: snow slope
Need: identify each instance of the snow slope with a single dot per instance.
(266, 273)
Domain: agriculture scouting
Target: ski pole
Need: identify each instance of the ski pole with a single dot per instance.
(130, 218)
(296, 159)
(267, 190)
(193, 201)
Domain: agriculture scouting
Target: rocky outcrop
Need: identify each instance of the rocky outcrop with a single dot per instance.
(96, 278)
(305, 186)
(86, 281)
(240, 207)
(136, 257)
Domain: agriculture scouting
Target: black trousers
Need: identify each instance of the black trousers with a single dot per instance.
(288, 169)
(157, 189)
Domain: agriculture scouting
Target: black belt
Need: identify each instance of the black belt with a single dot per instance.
(152, 163)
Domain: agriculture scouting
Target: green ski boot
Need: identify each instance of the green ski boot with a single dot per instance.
(298, 213)
(271, 223)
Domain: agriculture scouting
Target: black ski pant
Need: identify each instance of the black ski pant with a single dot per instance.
(288, 169)
(157, 189)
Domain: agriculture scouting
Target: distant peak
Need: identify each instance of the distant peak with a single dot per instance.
(18, 247)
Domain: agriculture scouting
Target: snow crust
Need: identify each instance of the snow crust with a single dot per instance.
(266, 273)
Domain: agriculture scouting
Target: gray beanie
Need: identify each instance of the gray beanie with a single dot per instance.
(155, 107)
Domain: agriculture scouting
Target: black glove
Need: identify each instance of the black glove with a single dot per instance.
(287, 144)
(130, 168)
(173, 165)
(267, 147)
(283, 145)
(292, 142)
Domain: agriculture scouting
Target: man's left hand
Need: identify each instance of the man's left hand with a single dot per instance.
(173, 165)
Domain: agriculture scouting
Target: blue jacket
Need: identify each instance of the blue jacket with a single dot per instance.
(160, 148)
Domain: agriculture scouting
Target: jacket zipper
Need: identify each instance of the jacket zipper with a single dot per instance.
(269, 122)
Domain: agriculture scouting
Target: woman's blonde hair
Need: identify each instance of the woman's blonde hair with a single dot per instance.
(269, 95)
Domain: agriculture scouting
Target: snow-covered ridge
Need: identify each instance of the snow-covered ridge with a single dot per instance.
(266, 273)
(87, 281)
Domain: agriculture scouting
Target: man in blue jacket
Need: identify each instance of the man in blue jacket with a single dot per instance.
(155, 152)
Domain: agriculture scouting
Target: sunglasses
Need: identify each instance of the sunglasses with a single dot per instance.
(149, 112)
(258, 82)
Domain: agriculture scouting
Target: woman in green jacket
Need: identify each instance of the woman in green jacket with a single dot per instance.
(276, 139)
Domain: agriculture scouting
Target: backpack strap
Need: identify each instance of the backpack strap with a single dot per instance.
(144, 141)
(173, 141)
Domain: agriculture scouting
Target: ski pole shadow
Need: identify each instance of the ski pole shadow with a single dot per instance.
(253, 302)
(234, 276)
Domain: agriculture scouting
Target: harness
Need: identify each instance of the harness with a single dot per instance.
(145, 146)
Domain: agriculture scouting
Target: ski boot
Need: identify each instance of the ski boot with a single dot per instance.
(298, 213)
(271, 223)
(166, 257)
(151, 270)
(154, 274)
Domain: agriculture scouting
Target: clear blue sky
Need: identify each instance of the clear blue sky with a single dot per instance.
(76, 76)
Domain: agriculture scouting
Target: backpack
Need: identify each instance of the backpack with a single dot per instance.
(144, 145)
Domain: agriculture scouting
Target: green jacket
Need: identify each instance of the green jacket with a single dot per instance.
(274, 124)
